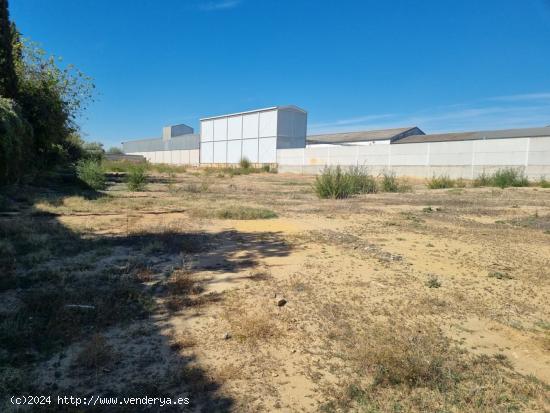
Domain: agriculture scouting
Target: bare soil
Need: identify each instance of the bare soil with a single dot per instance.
(430, 300)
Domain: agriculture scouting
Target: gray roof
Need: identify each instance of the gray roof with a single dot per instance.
(479, 135)
(364, 136)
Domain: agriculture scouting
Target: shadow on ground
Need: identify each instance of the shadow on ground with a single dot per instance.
(85, 315)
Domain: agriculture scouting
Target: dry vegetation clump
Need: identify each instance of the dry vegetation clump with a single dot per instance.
(244, 212)
(182, 341)
(502, 178)
(182, 282)
(252, 325)
(95, 354)
(337, 183)
(195, 188)
(237, 212)
(390, 183)
(125, 166)
(400, 367)
(444, 181)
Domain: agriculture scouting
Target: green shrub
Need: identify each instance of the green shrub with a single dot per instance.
(91, 173)
(337, 184)
(483, 179)
(93, 151)
(503, 178)
(136, 180)
(543, 183)
(115, 150)
(333, 183)
(441, 182)
(507, 177)
(15, 142)
(245, 163)
(390, 183)
(360, 181)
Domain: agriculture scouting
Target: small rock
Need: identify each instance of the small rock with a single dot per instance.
(281, 302)
(226, 336)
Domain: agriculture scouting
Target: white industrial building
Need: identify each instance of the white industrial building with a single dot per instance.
(255, 135)
(278, 135)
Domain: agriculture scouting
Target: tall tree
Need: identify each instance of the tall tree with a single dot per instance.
(8, 76)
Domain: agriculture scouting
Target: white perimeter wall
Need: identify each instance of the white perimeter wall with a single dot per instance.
(465, 159)
(178, 157)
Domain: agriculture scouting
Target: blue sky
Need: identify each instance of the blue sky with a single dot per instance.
(439, 64)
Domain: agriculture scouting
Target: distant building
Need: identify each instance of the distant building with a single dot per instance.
(278, 135)
(370, 137)
(255, 135)
(178, 145)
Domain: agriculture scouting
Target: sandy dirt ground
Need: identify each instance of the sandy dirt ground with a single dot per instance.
(473, 262)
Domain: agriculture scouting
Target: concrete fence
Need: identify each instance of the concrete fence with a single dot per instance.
(173, 157)
(458, 159)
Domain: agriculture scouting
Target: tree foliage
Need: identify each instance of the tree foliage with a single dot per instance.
(8, 77)
(15, 138)
(48, 99)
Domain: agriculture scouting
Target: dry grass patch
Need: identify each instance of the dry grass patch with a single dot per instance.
(252, 325)
(182, 341)
(182, 282)
(96, 354)
(400, 367)
(237, 212)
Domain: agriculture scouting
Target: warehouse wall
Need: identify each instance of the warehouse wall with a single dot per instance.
(176, 157)
(252, 135)
(461, 159)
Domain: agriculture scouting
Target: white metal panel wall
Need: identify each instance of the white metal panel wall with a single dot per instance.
(207, 130)
(220, 129)
(220, 152)
(268, 124)
(250, 125)
(207, 152)
(235, 127)
(234, 149)
(267, 150)
(250, 150)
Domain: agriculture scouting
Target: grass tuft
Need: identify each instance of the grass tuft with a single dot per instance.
(390, 183)
(245, 163)
(336, 183)
(244, 212)
(441, 182)
(136, 180)
(502, 178)
(91, 172)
